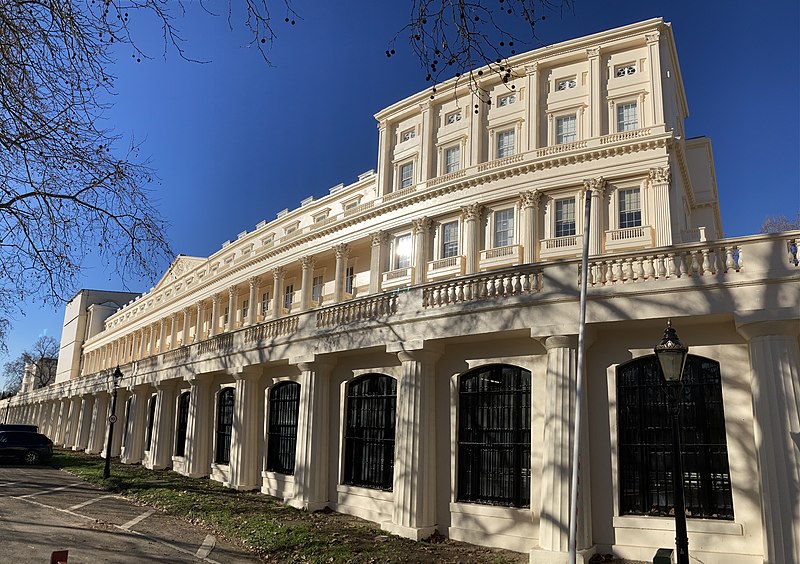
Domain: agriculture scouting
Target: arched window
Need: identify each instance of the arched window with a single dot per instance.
(151, 415)
(182, 424)
(369, 434)
(224, 426)
(645, 440)
(494, 436)
(284, 404)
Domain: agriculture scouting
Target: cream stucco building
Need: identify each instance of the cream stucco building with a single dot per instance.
(404, 348)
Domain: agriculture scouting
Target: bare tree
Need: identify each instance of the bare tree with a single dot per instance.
(39, 361)
(776, 224)
(13, 373)
(455, 37)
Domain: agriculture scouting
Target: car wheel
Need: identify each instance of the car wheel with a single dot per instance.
(31, 457)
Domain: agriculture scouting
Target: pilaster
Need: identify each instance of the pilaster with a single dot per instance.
(532, 107)
(247, 420)
(73, 419)
(84, 423)
(595, 87)
(198, 427)
(471, 215)
(98, 431)
(135, 427)
(654, 68)
(163, 426)
(376, 260)
(420, 229)
(660, 179)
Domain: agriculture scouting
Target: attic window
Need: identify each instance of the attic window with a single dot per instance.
(624, 70)
(506, 100)
(322, 216)
(407, 135)
(453, 117)
(566, 84)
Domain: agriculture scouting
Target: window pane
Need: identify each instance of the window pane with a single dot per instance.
(450, 239)
(288, 296)
(566, 129)
(316, 288)
(503, 228)
(183, 423)
(151, 415)
(626, 117)
(402, 251)
(565, 217)
(630, 209)
(452, 159)
(505, 143)
(349, 279)
(224, 426)
(284, 406)
(406, 175)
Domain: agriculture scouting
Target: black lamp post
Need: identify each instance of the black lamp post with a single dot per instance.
(671, 353)
(117, 378)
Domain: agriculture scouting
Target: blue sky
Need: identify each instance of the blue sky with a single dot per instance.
(234, 141)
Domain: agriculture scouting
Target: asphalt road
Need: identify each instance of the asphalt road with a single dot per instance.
(43, 510)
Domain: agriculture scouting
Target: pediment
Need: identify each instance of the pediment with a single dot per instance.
(179, 267)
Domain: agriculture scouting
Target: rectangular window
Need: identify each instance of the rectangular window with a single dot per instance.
(505, 143)
(264, 303)
(284, 406)
(566, 129)
(626, 117)
(504, 228)
(452, 158)
(630, 208)
(452, 117)
(406, 175)
(565, 217)
(402, 251)
(407, 135)
(450, 239)
(245, 306)
(288, 296)
(566, 84)
(225, 316)
(316, 288)
(506, 100)
(349, 279)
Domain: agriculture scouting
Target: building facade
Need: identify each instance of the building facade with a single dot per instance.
(404, 349)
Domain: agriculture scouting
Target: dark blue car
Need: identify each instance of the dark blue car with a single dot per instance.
(27, 447)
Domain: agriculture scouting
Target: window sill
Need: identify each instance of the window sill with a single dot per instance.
(496, 511)
(380, 495)
(701, 526)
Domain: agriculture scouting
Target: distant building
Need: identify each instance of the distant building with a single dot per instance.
(45, 369)
(404, 349)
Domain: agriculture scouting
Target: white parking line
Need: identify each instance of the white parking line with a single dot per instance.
(136, 520)
(206, 548)
(10, 484)
(85, 503)
(50, 490)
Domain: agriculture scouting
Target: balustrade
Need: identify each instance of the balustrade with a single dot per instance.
(491, 285)
(357, 310)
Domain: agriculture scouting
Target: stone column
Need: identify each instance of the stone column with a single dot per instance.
(277, 291)
(84, 423)
(198, 428)
(72, 422)
(153, 339)
(342, 251)
(471, 215)
(376, 260)
(248, 421)
(231, 325)
(306, 281)
(414, 485)
(173, 330)
(775, 385)
(163, 426)
(596, 229)
(51, 424)
(162, 336)
(654, 68)
(198, 330)
(384, 184)
(532, 108)
(252, 308)
(312, 460)
(659, 182)
(136, 427)
(595, 93)
(61, 426)
(98, 431)
(557, 444)
(119, 426)
(420, 229)
(529, 202)
(142, 343)
(212, 331)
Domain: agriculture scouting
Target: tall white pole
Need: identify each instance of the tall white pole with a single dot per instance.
(580, 374)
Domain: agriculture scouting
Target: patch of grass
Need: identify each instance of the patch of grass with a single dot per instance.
(263, 525)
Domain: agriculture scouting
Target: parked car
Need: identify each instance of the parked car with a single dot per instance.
(27, 447)
(19, 427)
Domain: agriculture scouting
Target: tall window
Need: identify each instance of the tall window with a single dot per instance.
(406, 175)
(284, 406)
(494, 436)
(450, 239)
(182, 424)
(645, 441)
(316, 288)
(505, 143)
(369, 434)
(127, 422)
(245, 306)
(288, 296)
(630, 208)
(224, 426)
(452, 158)
(151, 415)
(349, 279)
(402, 251)
(504, 228)
(264, 303)
(626, 117)
(565, 217)
(566, 129)
(225, 316)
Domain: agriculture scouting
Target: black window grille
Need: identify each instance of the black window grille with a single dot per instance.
(151, 415)
(369, 435)
(284, 405)
(645, 441)
(224, 426)
(494, 436)
(182, 424)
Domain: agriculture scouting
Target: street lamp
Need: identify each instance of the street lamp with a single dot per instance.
(671, 353)
(117, 378)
